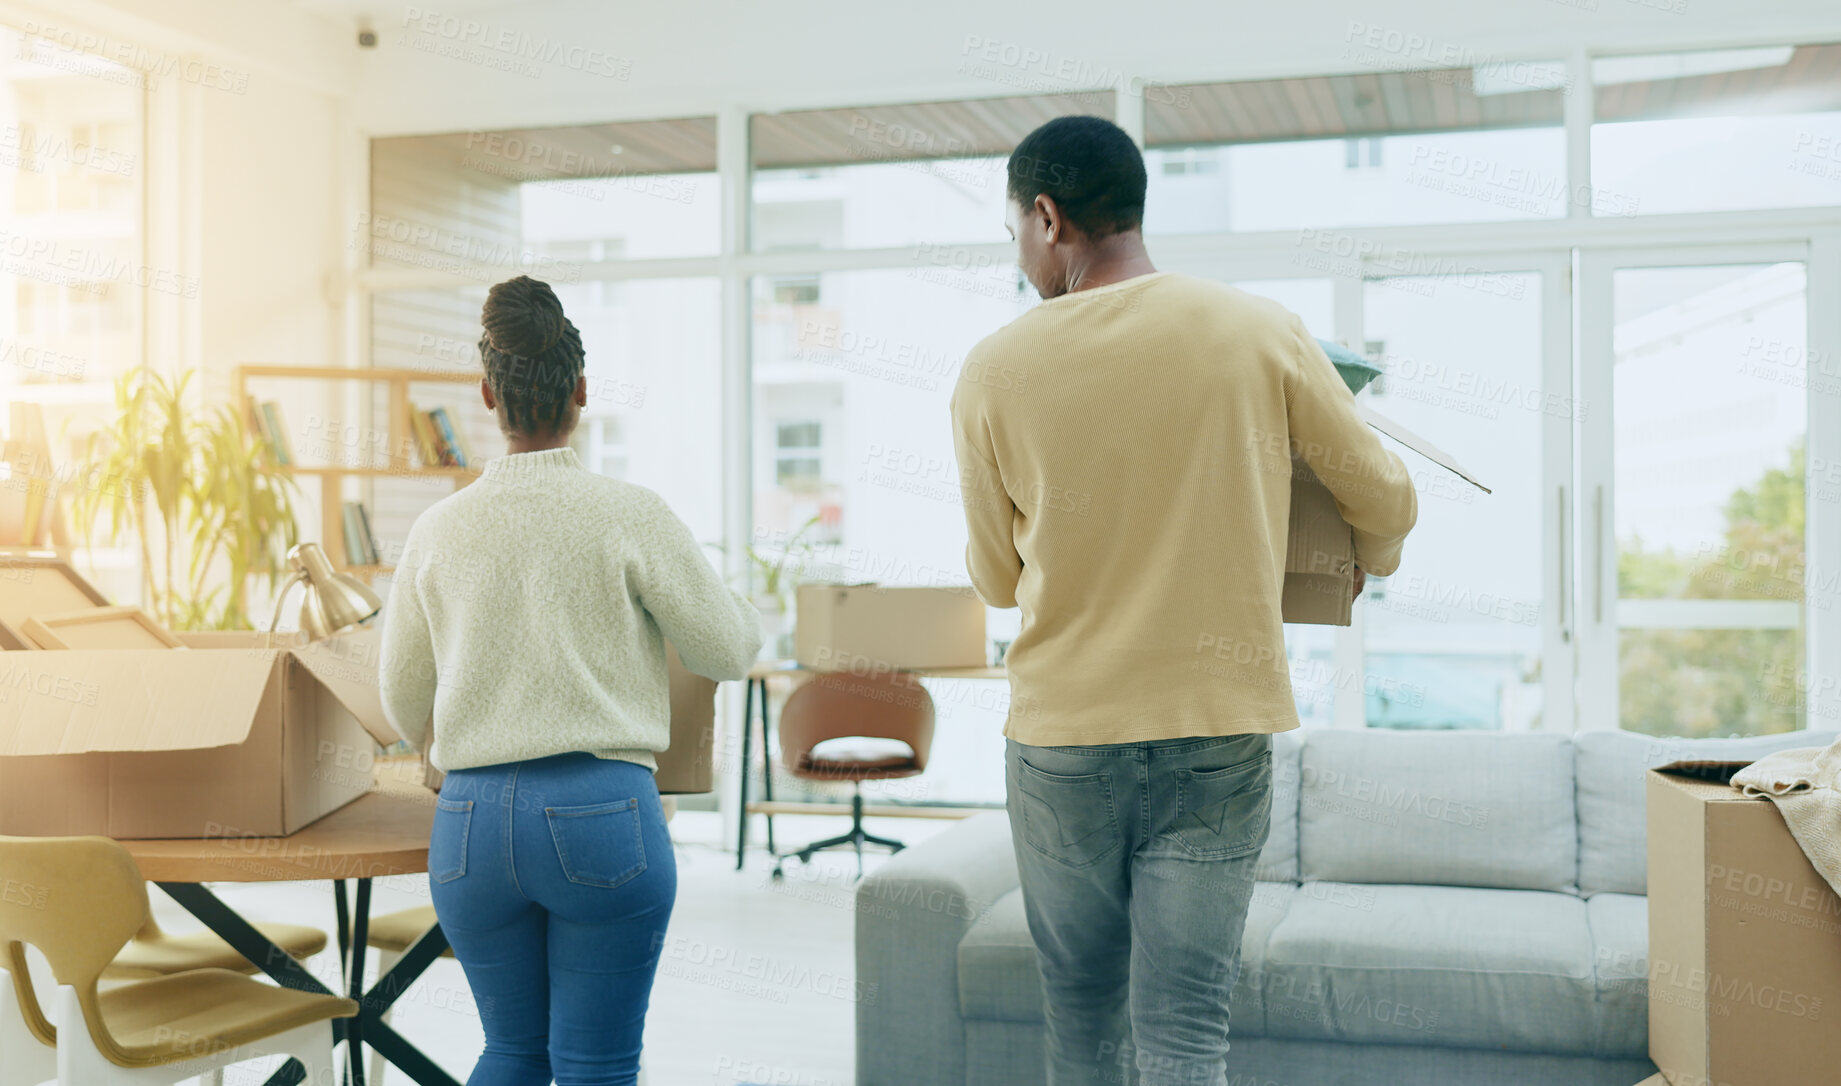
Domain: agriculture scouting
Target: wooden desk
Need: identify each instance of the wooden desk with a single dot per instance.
(757, 678)
(382, 833)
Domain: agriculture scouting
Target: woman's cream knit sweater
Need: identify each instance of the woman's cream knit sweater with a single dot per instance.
(529, 615)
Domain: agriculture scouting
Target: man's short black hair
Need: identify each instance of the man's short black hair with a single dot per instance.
(1089, 167)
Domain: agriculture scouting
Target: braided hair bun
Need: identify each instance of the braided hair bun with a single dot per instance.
(532, 354)
(523, 317)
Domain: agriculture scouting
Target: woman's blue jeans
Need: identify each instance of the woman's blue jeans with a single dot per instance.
(554, 880)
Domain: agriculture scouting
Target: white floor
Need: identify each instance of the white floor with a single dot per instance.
(755, 985)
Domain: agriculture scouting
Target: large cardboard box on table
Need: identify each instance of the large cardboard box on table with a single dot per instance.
(230, 735)
(1319, 587)
(879, 628)
(1744, 942)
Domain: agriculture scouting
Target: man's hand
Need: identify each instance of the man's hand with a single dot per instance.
(1361, 579)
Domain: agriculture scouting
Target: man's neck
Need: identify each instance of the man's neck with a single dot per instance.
(1112, 259)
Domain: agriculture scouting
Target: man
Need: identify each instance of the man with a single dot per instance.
(1125, 456)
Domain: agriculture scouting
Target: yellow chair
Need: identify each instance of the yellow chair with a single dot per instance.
(154, 953)
(79, 900)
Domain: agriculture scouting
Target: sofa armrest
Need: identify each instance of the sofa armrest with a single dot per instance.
(911, 915)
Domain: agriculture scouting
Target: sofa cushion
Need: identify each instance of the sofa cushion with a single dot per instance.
(1620, 957)
(1433, 965)
(1458, 809)
(1613, 819)
(997, 962)
(1278, 861)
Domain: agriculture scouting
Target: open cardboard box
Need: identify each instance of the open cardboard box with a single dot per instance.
(232, 735)
(1319, 587)
(1744, 939)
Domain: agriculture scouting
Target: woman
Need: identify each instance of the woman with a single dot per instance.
(529, 616)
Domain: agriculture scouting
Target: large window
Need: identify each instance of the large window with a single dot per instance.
(71, 175)
(1640, 559)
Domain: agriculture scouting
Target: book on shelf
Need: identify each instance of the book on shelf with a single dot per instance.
(444, 425)
(428, 446)
(360, 545)
(266, 418)
(370, 535)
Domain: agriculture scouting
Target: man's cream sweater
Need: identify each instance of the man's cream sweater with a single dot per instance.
(1125, 461)
(530, 611)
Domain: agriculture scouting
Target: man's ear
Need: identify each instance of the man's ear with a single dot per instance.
(581, 391)
(485, 393)
(1049, 216)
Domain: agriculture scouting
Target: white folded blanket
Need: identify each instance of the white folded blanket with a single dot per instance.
(1805, 784)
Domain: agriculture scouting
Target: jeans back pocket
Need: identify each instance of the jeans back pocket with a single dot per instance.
(599, 844)
(1071, 819)
(1224, 813)
(447, 842)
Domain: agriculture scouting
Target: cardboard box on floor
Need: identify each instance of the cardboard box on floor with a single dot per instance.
(226, 736)
(689, 765)
(1744, 942)
(1319, 587)
(873, 627)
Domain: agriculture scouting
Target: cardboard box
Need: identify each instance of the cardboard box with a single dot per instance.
(689, 764)
(1319, 587)
(880, 628)
(224, 736)
(1744, 942)
(39, 584)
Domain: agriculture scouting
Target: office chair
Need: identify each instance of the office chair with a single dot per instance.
(856, 728)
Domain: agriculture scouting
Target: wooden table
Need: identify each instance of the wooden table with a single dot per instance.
(757, 678)
(382, 833)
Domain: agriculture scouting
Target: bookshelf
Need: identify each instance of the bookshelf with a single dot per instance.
(399, 460)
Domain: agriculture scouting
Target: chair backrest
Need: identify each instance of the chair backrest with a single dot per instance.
(838, 705)
(78, 900)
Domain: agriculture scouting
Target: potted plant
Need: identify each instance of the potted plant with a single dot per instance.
(775, 582)
(201, 487)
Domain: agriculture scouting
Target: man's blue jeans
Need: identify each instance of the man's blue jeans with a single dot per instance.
(554, 880)
(1137, 864)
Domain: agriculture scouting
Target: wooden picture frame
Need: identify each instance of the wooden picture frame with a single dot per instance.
(100, 628)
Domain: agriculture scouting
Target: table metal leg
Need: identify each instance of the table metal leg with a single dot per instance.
(766, 764)
(342, 910)
(361, 934)
(747, 764)
(368, 1027)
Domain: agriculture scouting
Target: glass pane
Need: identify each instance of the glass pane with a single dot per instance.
(1443, 177)
(1394, 143)
(623, 218)
(70, 197)
(1311, 649)
(882, 205)
(546, 201)
(1698, 683)
(1718, 130)
(1711, 410)
(887, 176)
(654, 362)
(868, 370)
(1453, 637)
